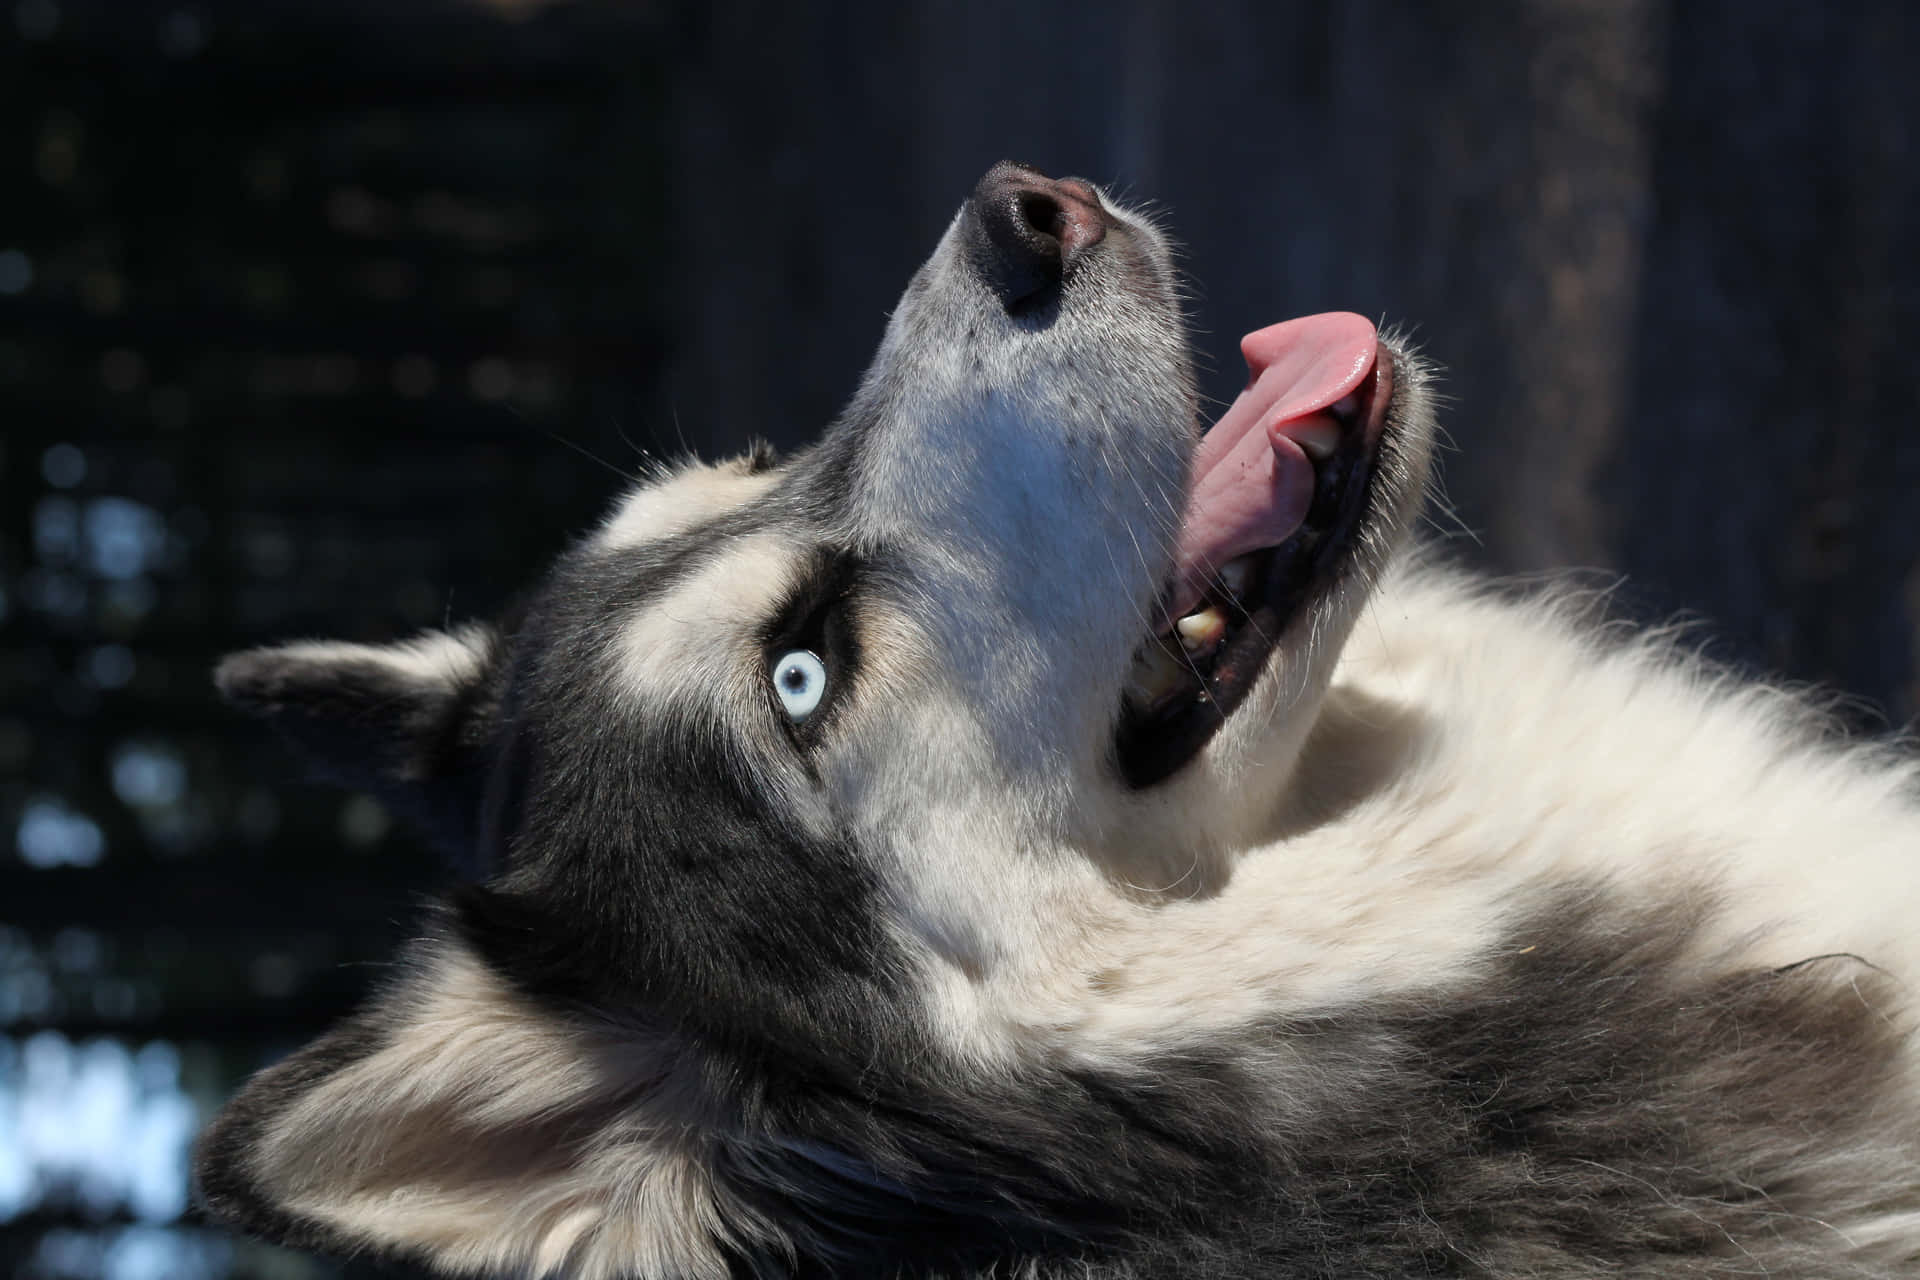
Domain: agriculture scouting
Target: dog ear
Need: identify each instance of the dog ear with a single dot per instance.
(458, 1123)
(411, 721)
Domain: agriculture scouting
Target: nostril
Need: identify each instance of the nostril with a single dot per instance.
(1042, 213)
(1030, 230)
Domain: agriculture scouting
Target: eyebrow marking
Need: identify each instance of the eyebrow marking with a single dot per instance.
(703, 636)
(693, 497)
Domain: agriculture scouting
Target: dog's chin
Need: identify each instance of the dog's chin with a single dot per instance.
(1265, 619)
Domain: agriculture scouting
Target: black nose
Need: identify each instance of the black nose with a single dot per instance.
(1032, 230)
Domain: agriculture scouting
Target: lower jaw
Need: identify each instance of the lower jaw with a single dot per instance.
(1290, 579)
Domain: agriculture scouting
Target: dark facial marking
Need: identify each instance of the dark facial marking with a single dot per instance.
(650, 870)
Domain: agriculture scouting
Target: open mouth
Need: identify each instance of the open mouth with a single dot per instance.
(1281, 487)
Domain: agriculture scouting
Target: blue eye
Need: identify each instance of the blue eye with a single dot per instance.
(800, 678)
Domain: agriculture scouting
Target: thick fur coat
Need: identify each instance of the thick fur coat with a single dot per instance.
(849, 911)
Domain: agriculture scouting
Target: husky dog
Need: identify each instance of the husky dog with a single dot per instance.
(1023, 836)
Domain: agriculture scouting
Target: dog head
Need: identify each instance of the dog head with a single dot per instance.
(831, 769)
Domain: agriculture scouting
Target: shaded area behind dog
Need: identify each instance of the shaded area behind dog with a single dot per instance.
(341, 318)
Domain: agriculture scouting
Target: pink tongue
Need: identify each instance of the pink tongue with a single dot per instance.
(1251, 484)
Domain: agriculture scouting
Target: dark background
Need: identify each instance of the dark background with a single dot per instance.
(339, 317)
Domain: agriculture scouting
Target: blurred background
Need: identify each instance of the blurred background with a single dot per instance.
(339, 317)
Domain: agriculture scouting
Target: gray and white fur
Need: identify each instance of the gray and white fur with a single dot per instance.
(1478, 941)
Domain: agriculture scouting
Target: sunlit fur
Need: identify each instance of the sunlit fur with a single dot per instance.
(1485, 939)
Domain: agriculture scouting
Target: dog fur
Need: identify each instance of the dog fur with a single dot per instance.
(1482, 940)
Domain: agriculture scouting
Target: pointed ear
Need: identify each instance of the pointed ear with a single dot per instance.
(411, 722)
(457, 1123)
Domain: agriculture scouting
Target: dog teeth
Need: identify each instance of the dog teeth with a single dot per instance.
(1235, 574)
(1317, 437)
(1156, 675)
(1201, 631)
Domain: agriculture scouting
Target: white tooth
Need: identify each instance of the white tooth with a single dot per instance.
(1155, 675)
(1318, 437)
(1201, 631)
(1235, 574)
